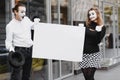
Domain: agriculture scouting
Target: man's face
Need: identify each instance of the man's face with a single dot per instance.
(21, 13)
(92, 15)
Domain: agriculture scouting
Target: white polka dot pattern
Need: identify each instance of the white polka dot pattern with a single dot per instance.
(91, 60)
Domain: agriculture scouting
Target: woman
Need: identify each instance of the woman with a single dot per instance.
(95, 31)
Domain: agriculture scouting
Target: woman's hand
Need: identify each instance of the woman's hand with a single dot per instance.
(91, 29)
(98, 28)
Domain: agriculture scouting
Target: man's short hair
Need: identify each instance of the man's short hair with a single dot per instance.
(17, 6)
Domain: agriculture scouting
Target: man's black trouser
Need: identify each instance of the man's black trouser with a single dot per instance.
(23, 72)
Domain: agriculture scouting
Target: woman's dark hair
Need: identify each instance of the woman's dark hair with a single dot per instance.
(17, 6)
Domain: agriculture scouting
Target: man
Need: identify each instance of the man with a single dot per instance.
(18, 38)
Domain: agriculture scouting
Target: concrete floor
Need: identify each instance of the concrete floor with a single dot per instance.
(110, 74)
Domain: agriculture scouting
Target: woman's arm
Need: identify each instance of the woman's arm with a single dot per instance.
(101, 34)
(98, 35)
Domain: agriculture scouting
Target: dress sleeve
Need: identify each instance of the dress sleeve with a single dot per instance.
(98, 36)
(101, 34)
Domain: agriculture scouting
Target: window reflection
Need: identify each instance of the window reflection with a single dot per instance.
(54, 11)
(60, 13)
(5, 16)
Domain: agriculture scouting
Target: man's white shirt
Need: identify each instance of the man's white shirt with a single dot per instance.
(18, 33)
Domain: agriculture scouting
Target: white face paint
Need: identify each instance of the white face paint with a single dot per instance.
(92, 15)
(21, 12)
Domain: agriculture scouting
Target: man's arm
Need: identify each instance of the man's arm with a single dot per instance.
(32, 24)
(9, 39)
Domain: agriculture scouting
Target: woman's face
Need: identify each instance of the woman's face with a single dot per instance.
(92, 15)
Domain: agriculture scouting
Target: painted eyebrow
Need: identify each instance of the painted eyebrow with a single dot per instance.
(22, 11)
(91, 13)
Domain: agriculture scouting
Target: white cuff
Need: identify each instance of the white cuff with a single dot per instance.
(36, 20)
(11, 49)
(98, 28)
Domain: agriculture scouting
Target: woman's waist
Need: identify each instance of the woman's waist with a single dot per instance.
(91, 49)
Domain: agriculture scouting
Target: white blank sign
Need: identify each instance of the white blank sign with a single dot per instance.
(59, 42)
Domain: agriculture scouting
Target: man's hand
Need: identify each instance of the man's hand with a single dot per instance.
(11, 49)
(36, 20)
